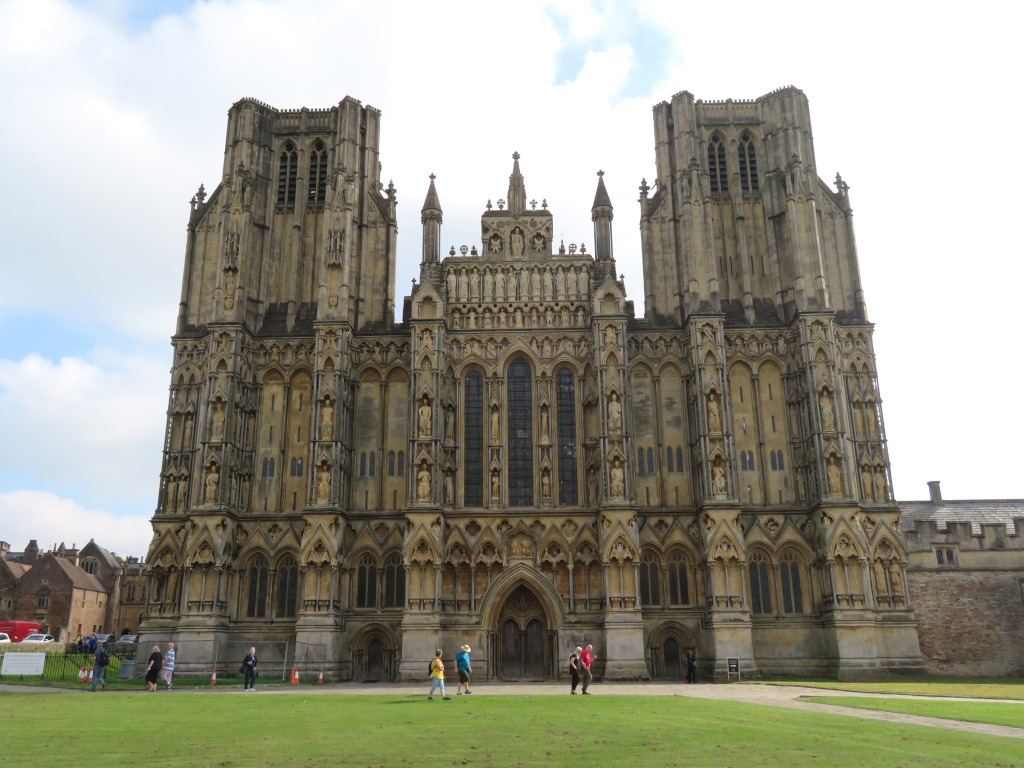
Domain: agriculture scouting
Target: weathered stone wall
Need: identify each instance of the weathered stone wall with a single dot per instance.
(969, 622)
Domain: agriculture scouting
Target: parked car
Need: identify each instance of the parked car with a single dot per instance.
(4, 638)
(127, 638)
(38, 639)
(101, 639)
(19, 630)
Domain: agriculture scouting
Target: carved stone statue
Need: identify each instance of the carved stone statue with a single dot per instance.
(545, 484)
(610, 337)
(229, 290)
(323, 483)
(714, 414)
(212, 480)
(449, 425)
(517, 244)
(449, 487)
(835, 477)
(474, 285)
(881, 489)
(534, 285)
(499, 285)
(718, 479)
(452, 286)
(495, 487)
(488, 285)
(327, 420)
(618, 479)
(896, 578)
(881, 586)
(592, 486)
(545, 425)
(217, 419)
(614, 415)
(584, 282)
(560, 284)
(868, 483)
(828, 416)
(423, 483)
(427, 339)
(495, 425)
(425, 420)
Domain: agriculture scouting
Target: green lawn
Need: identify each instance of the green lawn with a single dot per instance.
(970, 687)
(970, 711)
(373, 730)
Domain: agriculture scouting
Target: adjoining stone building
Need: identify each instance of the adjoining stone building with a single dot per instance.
(521, 463)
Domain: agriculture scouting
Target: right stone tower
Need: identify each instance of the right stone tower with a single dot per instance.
(754, 257)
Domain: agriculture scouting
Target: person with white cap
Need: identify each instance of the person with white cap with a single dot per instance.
(463, 666)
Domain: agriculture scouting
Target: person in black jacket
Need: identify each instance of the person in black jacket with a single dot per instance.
(691, 666)
(249, 669)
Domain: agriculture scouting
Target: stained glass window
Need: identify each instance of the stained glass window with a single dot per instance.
(520, 434)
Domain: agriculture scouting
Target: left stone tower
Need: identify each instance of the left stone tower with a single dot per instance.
(291, 253)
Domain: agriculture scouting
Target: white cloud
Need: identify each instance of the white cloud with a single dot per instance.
(51, 520)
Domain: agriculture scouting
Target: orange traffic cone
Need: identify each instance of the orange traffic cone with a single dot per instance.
(213, 678)
(90, 675)
(81, 674)
(295, 675)
(321, 680)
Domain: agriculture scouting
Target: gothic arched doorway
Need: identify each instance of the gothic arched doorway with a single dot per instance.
(667, 649)
(522, 635)
(374, 660)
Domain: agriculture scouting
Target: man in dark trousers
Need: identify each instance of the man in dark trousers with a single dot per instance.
(586, 658)
(691, 666)
(249, 670)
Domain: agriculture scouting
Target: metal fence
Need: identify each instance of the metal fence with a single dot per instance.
(70, 665)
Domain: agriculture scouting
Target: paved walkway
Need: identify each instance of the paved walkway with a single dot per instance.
(785, 696)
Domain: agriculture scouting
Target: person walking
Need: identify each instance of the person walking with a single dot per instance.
(249, 664)
(437, 676)
(167, 672)
(101, 658)
(574, 668)
(587, 658)
(691, 666)
(156, 661)
(462, 664)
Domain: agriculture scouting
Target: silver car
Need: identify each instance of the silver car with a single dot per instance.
(38, 639)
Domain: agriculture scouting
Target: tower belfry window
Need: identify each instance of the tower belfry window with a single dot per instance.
(748, 164)
(716, 166)
(287, 175)
(317, 174)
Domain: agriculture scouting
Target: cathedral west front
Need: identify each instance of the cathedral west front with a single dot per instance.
(521, 463)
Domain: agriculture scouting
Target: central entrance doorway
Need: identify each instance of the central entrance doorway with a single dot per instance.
(522, 637)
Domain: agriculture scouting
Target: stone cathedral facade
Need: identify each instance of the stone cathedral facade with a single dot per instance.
(521, 463)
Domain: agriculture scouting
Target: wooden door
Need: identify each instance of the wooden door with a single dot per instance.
(511, 650)
(533, 651)
(673, 667)
(375, 661)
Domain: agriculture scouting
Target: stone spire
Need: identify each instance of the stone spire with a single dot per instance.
(430, 217)
(516, 189)
(601, 215)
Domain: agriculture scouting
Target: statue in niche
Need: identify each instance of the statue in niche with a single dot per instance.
(534, 317)
(858, 419)
(186, 438)
(614, 415)
(534, 285)
(327, 420)
(426, 339)
(463, 285)
(549, 317)
(452, 285)
(229, 290)
(714, 414)
(565, 316)
(718, 478)
(423, 483)
(592, 486)
(618, 479)
(474, 285)
(881, 584)
(517, 244)
(425, 413)
(518, 317)
(835, 476)
(584, 282)
(560, 284)
(499, 284)
(495, 425)
(881, 491)
(570, 280)
(545, 484)
(545, 425)
(212, 480)
(581, 317)
(546, 277)
(896, 578)
(471, 319)
(546, 348)
(872, 416)
(217, 419)
(868, 483)
(323, 484)
(495, 487)
(610, 337)
(449, 425)
(828, 416)
(488, 285)
(449, 487)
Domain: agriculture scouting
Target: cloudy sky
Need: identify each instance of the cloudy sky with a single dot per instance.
(112, 112)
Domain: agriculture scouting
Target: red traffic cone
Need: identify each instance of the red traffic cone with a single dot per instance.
(90, 675)
(81, 674)
(321, 679)
(213, 678)
(295, 675)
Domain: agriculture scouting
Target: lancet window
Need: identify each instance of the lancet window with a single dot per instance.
(678, 585)
(473, 461)
(287, 173)
(650, 580)
(565, 384)
(792, 593)
(748, 164)
(259, 576)
(287, 588)
(716, 166)
(760, 585)
(318, 174)
(520, 434)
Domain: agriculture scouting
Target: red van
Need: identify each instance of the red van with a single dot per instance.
(19, 630)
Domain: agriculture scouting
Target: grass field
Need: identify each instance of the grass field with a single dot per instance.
(969, 687)
(186, 729)
(969, 711)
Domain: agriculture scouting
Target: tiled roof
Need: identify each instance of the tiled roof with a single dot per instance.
(977, 512)
(79, 578)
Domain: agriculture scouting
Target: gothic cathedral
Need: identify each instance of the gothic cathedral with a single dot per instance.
(521, 464)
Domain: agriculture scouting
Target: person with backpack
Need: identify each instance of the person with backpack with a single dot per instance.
(101, 658)
(437, 676)
(464, 667)
(574, 668)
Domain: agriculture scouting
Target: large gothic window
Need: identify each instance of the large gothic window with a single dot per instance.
(650, 581)
(256, 605)
(287, 588)
(565, 390)
(792, 594)
(287, 173)
(748, 164)
(520, 434)
(678, 587)
(318, 174)
(366, 583)
(716, 166)
(473, 461)
(760, 596)
(394, 583)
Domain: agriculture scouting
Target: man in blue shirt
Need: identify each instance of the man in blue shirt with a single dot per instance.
(167, 671)
(463, 666)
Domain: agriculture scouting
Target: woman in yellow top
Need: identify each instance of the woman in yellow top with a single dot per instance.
(437, 676)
